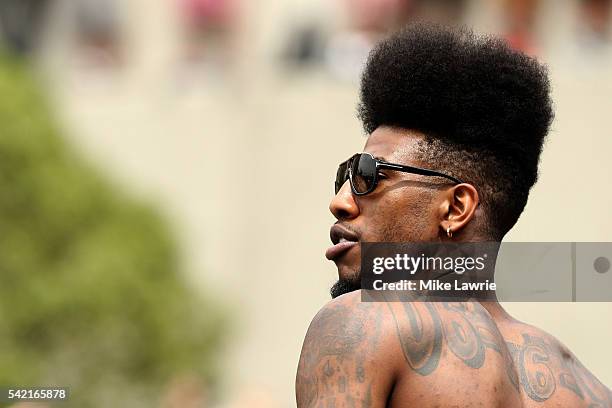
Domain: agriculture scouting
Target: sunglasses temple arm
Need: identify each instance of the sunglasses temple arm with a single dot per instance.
(418, 170)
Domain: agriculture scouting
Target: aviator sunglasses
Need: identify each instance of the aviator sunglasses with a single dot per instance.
(362, 172)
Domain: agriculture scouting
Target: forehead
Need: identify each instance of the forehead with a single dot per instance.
(393, 144)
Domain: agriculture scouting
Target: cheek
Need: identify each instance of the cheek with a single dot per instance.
(402, 219)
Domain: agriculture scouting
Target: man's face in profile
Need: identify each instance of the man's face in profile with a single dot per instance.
(400, 209)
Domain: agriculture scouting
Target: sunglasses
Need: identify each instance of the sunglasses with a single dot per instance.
(362, 171)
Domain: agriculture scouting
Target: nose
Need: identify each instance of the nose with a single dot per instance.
(343, 206)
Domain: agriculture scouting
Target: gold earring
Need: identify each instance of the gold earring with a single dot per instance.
(449, 232)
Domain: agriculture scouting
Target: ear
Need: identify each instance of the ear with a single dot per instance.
(458, 207)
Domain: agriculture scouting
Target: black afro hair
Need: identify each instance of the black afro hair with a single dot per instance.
(484, 108)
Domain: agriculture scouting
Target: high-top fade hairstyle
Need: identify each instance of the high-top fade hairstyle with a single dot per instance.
(484, 109)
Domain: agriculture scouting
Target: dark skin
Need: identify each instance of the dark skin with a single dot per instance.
(422, 354)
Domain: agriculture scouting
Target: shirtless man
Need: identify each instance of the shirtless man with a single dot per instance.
(477, 113)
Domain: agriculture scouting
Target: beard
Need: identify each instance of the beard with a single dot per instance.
(343, 286)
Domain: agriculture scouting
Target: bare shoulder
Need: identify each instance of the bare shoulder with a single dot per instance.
(347, 356)
(378, 354)
(550, 372)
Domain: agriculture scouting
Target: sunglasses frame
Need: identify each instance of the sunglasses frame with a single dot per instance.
(380, 164)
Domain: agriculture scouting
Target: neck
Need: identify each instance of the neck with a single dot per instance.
(496, 310)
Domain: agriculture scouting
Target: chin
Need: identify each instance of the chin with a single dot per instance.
(343, 286)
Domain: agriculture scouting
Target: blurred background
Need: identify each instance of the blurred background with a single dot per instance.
(167, 167)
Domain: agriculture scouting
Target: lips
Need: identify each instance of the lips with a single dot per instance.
(343, 240)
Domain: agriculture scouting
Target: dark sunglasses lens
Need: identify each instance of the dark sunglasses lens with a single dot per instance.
(341, 176)
(364, 173)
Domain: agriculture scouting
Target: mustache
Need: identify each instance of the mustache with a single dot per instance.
(347, 227)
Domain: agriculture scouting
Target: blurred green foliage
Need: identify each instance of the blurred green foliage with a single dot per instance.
(90, 294)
